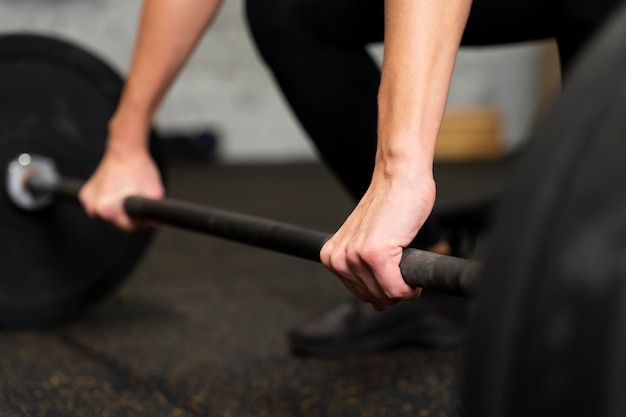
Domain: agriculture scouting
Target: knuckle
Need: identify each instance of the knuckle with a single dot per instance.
(327, 251)
(337, 262)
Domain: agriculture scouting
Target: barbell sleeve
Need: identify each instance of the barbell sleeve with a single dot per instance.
(441, 273)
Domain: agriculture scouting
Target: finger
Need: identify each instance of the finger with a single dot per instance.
(387, 273)
(356, 275)
(374, 292)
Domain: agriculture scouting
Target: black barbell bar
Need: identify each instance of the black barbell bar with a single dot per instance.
(441, 273)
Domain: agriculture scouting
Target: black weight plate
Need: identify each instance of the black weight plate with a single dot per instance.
(549, 334)
(56, 99)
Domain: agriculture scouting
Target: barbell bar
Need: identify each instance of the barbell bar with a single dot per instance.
(41, 182)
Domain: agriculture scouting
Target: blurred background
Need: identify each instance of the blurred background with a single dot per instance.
(225, 89)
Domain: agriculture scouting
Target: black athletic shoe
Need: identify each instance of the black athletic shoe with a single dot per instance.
(434, 320)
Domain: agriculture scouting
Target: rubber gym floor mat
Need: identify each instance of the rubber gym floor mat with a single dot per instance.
(198, 329)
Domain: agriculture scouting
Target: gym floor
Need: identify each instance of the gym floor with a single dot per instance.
(198, 328)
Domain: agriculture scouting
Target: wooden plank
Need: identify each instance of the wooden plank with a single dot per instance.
(473, 134)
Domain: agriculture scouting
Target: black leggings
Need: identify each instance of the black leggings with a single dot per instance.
(316, 50)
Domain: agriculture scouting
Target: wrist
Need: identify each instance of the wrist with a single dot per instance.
(404, 160)
(128, 133)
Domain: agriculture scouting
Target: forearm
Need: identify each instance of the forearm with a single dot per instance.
(168, 32)
(421, 43)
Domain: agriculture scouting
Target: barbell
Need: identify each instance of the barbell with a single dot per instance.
(58, 99)
(35, 183)
(548, 332)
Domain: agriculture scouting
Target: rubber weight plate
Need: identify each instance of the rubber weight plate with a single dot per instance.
(56, 100)
(549, 334)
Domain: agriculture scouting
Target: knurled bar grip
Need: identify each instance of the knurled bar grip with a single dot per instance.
(242, 228)
(446, 274)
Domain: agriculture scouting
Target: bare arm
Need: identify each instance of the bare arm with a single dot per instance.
(168, 33)
(421, 43)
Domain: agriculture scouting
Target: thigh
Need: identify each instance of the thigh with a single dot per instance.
(571, 22)
(334, 22)
(350, 22)
(493, 22)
